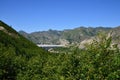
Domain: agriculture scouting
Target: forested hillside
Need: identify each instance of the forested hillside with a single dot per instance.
(20, 59)
(15, 52)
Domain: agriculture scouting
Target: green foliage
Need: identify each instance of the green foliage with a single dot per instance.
(15, 52)
(20, 59)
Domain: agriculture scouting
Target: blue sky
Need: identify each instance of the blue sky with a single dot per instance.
(40, 15)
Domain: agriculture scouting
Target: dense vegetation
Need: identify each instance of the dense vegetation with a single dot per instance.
(15, 52)
(20, 59)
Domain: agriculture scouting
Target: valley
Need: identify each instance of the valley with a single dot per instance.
(22, 59)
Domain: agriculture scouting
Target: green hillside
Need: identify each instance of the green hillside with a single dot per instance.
(20, 59)
(15, 52)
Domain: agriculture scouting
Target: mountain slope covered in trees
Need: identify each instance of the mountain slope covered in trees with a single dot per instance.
(15, 52)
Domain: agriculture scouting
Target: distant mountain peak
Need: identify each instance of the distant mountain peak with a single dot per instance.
(70, 36)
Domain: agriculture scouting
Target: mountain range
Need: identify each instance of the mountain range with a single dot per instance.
(69, 36)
